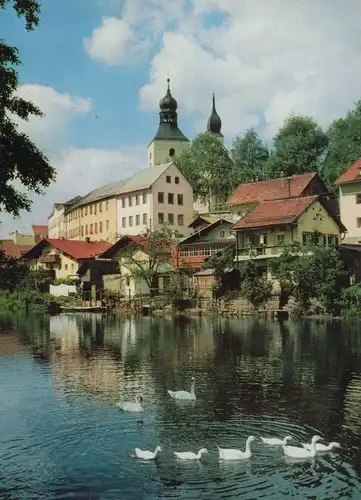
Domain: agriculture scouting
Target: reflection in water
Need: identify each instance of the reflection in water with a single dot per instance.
(62, 375)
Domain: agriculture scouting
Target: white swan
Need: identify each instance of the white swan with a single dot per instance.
(276, 441)
(147, 455)
(136, 406)
(231, 454)
(189, 455)
(323, 447)
(184, 394)
(297, 452)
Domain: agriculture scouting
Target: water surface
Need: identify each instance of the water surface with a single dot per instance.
(61, 435)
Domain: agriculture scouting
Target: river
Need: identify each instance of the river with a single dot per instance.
(62, 436)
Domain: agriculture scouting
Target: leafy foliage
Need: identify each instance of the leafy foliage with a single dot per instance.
(20, 159)
(220, 262)
(351, 301)
(254, 287)
(313, 272)
(12, 272)
(250, 154)
(299, 147)
(344, 144)
(208, 167)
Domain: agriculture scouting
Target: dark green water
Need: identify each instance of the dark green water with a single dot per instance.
(61, 435)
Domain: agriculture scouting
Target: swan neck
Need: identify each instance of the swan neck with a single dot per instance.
(192, 387)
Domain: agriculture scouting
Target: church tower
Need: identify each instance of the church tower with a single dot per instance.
(214, 124)
(169, 142)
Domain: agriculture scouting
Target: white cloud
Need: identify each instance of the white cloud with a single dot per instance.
(79, 172)
(58, 108)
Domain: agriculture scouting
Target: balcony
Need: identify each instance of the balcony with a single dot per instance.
(261, 252)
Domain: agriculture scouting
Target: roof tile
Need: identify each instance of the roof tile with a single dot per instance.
(74, 248)
(352, 174)
(276, 212)
(272, 189)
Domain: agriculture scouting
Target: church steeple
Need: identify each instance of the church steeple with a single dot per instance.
(169, 141)
(214, 124)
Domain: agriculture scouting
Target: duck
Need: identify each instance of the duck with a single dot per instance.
(297, 452)
(189, 455)
(232, 454)
(132, 406)
(276, 441)
(146, 455)
(184, 395)
(320, 447)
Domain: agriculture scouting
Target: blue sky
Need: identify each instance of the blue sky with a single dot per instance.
(98, 68)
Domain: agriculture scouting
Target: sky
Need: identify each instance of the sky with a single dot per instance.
(98, 68)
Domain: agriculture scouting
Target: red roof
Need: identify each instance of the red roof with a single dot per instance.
(74, 248)
(273, 189)
(10, 249)
(272, 213)
(352, 174)
(40, 229)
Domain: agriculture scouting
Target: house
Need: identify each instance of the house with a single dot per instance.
(349, 189)
(61, 256)
(21, 238)
(208, 240)
(138, 256)
(14, 250)
(97, 276)
(149, 199)
(40, 231)
(56, 220)
(264, 231)
(248, 195)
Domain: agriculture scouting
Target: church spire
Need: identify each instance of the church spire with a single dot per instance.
(214, 124)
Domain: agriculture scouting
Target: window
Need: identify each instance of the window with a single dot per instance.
(160, 218)
(171, 152)
(358, 198)
(171, 218)
(82, 230)
(100, 227)
(180, 219)
(86, 210)
(137, 220)
(86, 229)
(96, 228)
(160, 197)
(127, 281)
(95, 209)
(107, 225)
(91, 209)
(280, 239)
(222, 234)
(358, 222)
(169, 179)
(106, 205)
(100, 207)
(170, 198)
(130, 220)
(176, 180)
(66, 267)
(91, 228)
(180, 199)
(124, 222)
(81, 212)
(145, 219)
(144, 198)
(130, 201)
(123, 202)
(137, 199)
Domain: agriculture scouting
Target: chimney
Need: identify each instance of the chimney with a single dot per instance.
(289, 179)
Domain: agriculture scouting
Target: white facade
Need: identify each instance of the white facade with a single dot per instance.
(350, 210)
(56, 223)
(168, 202)
(162, 151)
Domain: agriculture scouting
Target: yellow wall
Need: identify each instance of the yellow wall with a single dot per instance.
(316, 218)
(158, 151)
(99, 217)
(22, 239)
(240, 210)
(67, 267)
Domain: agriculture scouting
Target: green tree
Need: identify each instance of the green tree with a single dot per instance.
(20, 159)
(254, 286)
(221, 262)
(208, 167)
(12, 272)
(299, 147)
(344, 144)
(312, 272)
(250, 154)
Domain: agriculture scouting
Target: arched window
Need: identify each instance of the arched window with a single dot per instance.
(171, 152)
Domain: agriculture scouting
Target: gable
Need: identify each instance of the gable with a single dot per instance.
(219, 230)
(316, 218)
